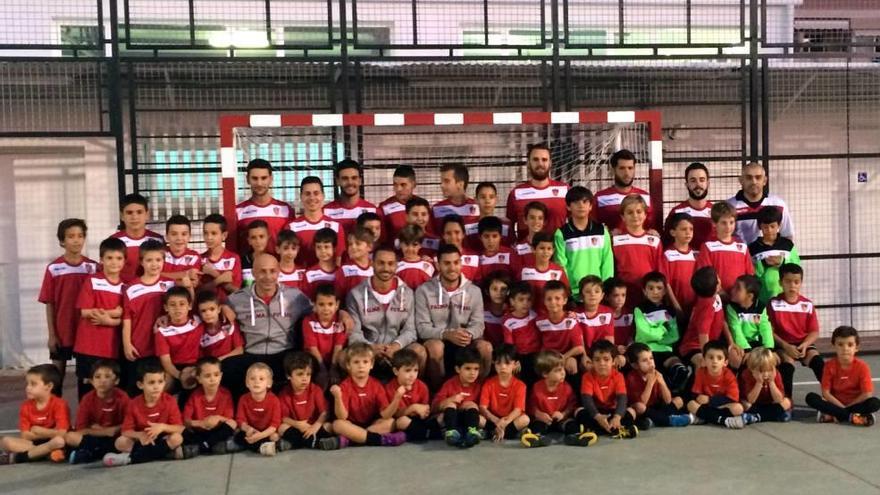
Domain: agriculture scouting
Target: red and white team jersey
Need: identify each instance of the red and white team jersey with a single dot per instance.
(552, 196)
(132, 268)
(142, 304)
(218, 342)
(305, 230)
(452, 387)
(729, 259)
(418, 394)
(623, 329)
(62, 283)
(109, 411)
(294, 279)
(259, 414)
(324, 338)
(634, 256)
(415, 273)
(347, 215)
(522, 333)
(316, 276)
(226, 262)
(707, 318)
(793, 321)
(468, 211)
(473, 234)
(187, 260)
(182, 343)
(606, 207)
(352, 275)
(363, 403)
(542, 399)
(138, 415)
(198, 407)
(430, 246)
(747, 216)
(493, 331)
(504, 261)
(276, 214)
(307, 405)
(678, 267)
(537, 279)
(523, 250)
(96, 340)
(470, 264)
(560, 336)
(597, 325)
(704, 229)
(393, 214)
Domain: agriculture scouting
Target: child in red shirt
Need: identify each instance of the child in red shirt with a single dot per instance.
(678, 262)
(418, 213)
(303, 407)
(289, 273)
(325, 270)
(323, 334)
(259, 412)
(603, 396)
(452, 231)
(178, 339)
(43, 420)
(415, 405)
(519, 329)
(540, 269)
(495, 288)
(62, 283)
(615, 298)
(455, 404)
(359, 266)
(707, 321)
(535, 215)
(221, 268)
(133, 214)
(551, 405)
(763, 396)
(597, 320)
(560, 330)
(494, 256)
(221, 337)
(728, 255)
(847, 389)
(503, 397)
(152, 428)
(648, 394)
(208, 413)
(716, 394)
(413, 268)
(182, 264)
(636, 251)
(486, 196)
(100, 307)
(364, 414)
(99, 416)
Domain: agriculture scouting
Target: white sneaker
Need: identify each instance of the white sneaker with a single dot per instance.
(268, 449)
(735, 423)
(113, 460)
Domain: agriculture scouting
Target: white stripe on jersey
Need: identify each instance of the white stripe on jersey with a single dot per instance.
(773, 252)
(129, 242)
(514, 324)
(319, 275)
(658, 316)
(465, 210)
(704, 213)
(188, 259)
(223, 264)
(523, 249)
(422, 266)
(527, 193)
(596, 321)
(734, 247)
(135, 291)
(395, 207)
(172, 330)
(673, 255)
(614, 199)
(470, 260)
(348, 213)
(781, 306)
(208, 340)
(103, 285)
(356, 271)
(497, 259)
(306, 226)
(631, 240)
(585, 242)
(317, 328)
(84, 268)
(531, 273)
(296, 276)
(623, 320)
(546, 325)
(269, 211)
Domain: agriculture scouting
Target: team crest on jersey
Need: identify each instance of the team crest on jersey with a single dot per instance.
(473, 210)
(594, 241)
(90, 268)
(426, 266)
(555, 191)
(554, 275)
(326, 225)
(603, 319)
(569, 323)
(755, 318)
(276, 210)
(652, 240)
(804, 306)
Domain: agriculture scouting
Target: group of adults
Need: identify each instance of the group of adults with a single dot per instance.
(268, 311)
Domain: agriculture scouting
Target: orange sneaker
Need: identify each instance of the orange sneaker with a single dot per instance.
(861, 419)
(57, 455)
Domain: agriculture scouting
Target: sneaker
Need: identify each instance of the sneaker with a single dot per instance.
(113, 460)
(734, 423)
(80, 456)
(679, 420)
(825, 418)
(7, 458)
(645, 423)
(452, 437)
(190, 451)
(57, 455)
(697, 420)
(861, 419)
(627, 432)
(267, 449)
(532, 440)
(283, 445)
(232, 446)
(679, 377)
(786, 417)
(584, 438)
(393, 439)
(472, 437)
(219, 448)
(751, 418)
(333, 443)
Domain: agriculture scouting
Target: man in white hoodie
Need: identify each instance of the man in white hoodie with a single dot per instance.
(382, 309)
(448, 317)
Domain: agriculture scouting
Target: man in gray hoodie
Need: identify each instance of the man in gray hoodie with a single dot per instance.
(449, 316)
(382, 309)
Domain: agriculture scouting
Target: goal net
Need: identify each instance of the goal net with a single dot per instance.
(493, 146)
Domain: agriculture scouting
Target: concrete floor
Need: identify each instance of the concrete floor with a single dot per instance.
(799, 457)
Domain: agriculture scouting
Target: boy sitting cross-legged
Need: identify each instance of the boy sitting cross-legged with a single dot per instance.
(603, 396)
(364, 414)
(503, 397)
(551, 404)
(716, 393)
(415, 404)
(208, 413)
(100, 414)
(455, 404)
(303, 406)
(648, 394)
(43, 420)
(259, 412)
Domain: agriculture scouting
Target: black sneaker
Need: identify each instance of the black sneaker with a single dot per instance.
(219, 448)
(644, 423)
(283, 445)
(583, 438)
(81, 456)
(190, 451)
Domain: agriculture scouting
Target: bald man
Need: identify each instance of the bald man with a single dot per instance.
(749, 201)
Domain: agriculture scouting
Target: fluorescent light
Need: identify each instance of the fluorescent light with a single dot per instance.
(233, 38)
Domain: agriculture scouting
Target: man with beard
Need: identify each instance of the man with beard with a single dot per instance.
(606, 203)
(696, 179)
(382, 309)
(541, 188)
(260, 206)
(749, 201)
(348, 204)
(448, 318)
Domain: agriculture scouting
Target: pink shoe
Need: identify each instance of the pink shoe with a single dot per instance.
(393, 439)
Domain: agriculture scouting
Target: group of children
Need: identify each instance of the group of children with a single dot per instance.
(646, 334)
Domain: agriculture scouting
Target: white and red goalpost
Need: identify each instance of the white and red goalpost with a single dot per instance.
(492, 144)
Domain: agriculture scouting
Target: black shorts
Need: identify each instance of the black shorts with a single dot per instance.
(719, 400)
(61, 354)
(661, 357)
(509, 433)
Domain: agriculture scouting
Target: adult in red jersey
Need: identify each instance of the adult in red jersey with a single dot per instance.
(348, 204)
(392, 211)
(696, 179)
(749, 201)
(541, 188)
(260, 206)
(606, 203)
(313, 219)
